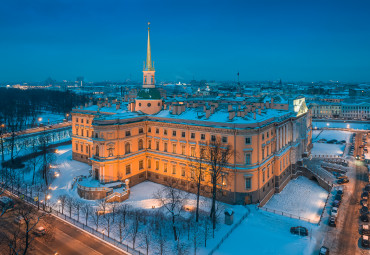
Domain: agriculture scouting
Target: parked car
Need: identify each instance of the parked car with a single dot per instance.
(338, 197)
(342, 176)
(365, 229)
(342, 181)
(357, 157)
(332, 221)
(6, 204)
(363, 202)
(324, 250)
(365, 195)
(367, 188)
(336, 203)
(365, 241)
(334, 211)
(364, 210)
(302, 231)
(340, 192)
(19, 220)
(40, 231)
(364, 218)
(332, 141)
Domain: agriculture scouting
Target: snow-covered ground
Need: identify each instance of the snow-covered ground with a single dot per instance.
(329, 149)
(341, 124)
(301, 197)
(267, 233)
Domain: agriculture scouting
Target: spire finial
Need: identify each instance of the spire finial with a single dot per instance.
(148, 53)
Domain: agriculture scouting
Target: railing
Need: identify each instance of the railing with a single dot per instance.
(94, 188)
(289, 215)
(48, 209)
(230, 231)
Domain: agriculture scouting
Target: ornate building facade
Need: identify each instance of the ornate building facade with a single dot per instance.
(149, 139)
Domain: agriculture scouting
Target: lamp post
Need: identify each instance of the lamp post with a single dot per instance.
(2, 132)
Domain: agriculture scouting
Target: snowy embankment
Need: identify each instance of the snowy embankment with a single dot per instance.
(301, 197)
(359, 125)
(322, 148)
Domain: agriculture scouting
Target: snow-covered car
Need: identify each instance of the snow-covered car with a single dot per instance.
(364, 210)
(342, 176)
(367, 188)
(342, 181)
(365, 195)
(336, 203)
(19, 220)
(332, 221)
(324, 251)
(302, 231)
(40, 231)
(334, 211)
(365, 229)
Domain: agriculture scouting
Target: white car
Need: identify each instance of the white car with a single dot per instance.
(334, 211)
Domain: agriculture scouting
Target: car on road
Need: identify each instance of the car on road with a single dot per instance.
(363, 202)
(365, 195)
(365, 229)
(332, 221)
(338, 197)
(19, 220)
(365, 241)
(364, 218)
(39, 231)
(302, 231)
(324, 250)
(341, 176)
(6, 204)
(367, 188)
(334, 211)
(342, 181)
(357, 157)
(340, 192)
(336, 203)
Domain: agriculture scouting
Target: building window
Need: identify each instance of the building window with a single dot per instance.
(128, 133)
(263, 136)
(127, 148)
(165, 131)
(267, 134)
(174, 148)
(141, 130)
(149, 104)
(76, 147)
(157, 165)
(76, 119)
(174, 133)
(141, 165)
(149, 144)
(87, 149)
(182, 134)
(157, 130)
(248, 183)
(213, 138)
(96, 135)
(87, 121)
(149, 129)
(128, 169)
(192, 151)
(183, 149)
(140, 144)
(82, 120)
(165, 147)
(82, 148)
(82, 132)
(192, 136)
(173, 169)
(263, 175)
(183, 171)
(165, 167)
(224, 139)
(203, 136)
(247, 159)
(157, 145)
(247, 140)
(97, 151)
(263, 153)
(149, 163)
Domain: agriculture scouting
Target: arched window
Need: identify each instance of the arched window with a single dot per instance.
(127, 148)
(96, 135)
(141, 144)
(97, 151)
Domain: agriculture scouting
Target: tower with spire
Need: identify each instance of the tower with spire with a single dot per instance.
(148, 72)
(148, 100)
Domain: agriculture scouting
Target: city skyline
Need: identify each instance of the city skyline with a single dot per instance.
(205, 41)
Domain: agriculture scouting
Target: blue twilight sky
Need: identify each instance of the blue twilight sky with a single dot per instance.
(213, 40)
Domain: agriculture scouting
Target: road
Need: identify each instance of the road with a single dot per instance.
(68, 240)
(41, 129)
(344, 239)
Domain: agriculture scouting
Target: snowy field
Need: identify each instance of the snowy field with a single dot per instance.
(267, 233)
(329, 149)
(301, 197)
(341, 124)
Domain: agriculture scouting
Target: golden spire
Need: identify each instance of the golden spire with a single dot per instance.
(148, 53)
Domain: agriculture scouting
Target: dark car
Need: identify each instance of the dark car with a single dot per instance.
(363, 202)
(367, 188)
(365, 195)
(336, 203)
(340, 192)
(342, 181)
(302, 231)
(324, 251)
(338, 197)
(332, 141)
(365, 241)
(341, 176)
(357, 157)
(364, 210)
(365, 229)
(364, 218)
(332, 221)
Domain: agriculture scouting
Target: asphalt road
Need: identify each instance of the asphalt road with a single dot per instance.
(68, 240)
(344, 239)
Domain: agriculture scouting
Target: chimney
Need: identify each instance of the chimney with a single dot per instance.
(208, 113)
(242, 114)
(118, 105)
(229, 107)
(259, 111)
(254, 115)
(231, 115)
(239, 113)
(272, 101)
(213, 109)
(165, 106)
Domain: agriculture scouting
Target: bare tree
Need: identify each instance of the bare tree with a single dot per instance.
(218, 155)
(69, 203)
(62, 199)
(35, 160)
(77, 206)
(173, 200)
(86, 210)
(96, 218)
(108, 220)
(135, 227)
